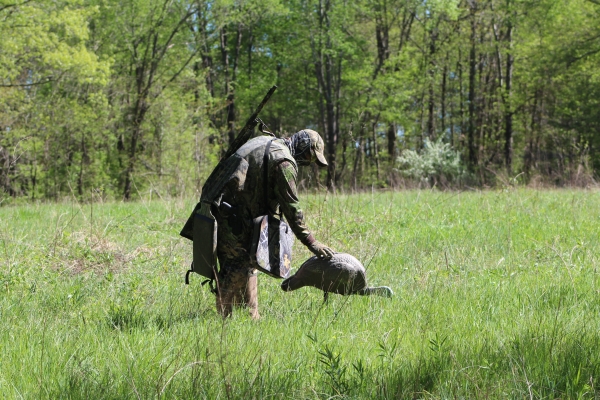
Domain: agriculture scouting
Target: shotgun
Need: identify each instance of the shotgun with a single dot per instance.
(248, 129)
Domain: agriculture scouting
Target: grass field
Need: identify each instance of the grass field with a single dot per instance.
(497, 295)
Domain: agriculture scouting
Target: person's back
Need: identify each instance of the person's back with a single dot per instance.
(237, 192)
(251, 199)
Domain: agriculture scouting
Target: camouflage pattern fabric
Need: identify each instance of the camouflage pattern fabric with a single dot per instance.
(237, 286)
(273, 239)
(236, 281)
(281, 191)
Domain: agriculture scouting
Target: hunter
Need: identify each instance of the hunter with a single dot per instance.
(240, 204)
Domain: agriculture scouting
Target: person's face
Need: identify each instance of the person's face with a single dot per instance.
(305, 158)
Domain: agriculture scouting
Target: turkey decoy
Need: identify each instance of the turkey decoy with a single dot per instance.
(342, 274)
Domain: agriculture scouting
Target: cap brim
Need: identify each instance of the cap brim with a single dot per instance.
(321, 161)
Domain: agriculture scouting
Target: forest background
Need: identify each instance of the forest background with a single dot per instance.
(112, 99)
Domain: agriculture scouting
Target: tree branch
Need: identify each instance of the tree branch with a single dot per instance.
(14, 5)
(28, 84)
(574, 59)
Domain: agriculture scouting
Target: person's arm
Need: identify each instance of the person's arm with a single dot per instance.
(287, 196)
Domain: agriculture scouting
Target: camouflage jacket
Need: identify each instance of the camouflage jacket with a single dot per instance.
(240, 182)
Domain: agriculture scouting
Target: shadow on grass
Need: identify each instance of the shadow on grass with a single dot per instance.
(130, 316)
(529, 366)
(547, 365)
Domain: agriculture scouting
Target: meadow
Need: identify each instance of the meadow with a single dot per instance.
(497, 295)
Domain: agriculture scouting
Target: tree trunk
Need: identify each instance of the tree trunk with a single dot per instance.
(531, 149)
(443, 100)
(81, 163)
(342, 170)
(139, 115)
(382, 37)
(326, 74)
(230, 107)
(508, 117)
(461, 98)
(331, 125)
(391, 142)
(376, 150)
(207, 61)
(358, 160)
(431, 100)
(250, 45)
(230, 84)
(431, 113)
(472, 73)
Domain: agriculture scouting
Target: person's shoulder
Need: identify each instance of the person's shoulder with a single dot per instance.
(254, 148)
(279, 144)
(280, 153)
(259, 141)
(286, 170)
(285, 164)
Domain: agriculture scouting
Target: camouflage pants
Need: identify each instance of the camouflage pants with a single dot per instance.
(237, 279)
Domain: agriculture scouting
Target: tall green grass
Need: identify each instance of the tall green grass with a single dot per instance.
(497, 295)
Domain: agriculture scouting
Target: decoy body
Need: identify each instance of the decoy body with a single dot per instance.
(342, 274)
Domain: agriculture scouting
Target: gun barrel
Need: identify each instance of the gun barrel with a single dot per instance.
(247, 130)
(261, 105)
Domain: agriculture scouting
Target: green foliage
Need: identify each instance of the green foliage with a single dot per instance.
(119, 99)
(436, 163)
(496, 296)
(43, 41)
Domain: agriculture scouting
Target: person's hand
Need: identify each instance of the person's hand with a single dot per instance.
(320, 250)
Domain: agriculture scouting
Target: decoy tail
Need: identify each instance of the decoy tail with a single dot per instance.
(382, 291)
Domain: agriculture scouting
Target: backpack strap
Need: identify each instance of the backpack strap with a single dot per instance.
(266, 181)
(209, 281)
(266, 176)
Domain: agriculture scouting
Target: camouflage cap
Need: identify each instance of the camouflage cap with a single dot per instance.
(317, 146)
